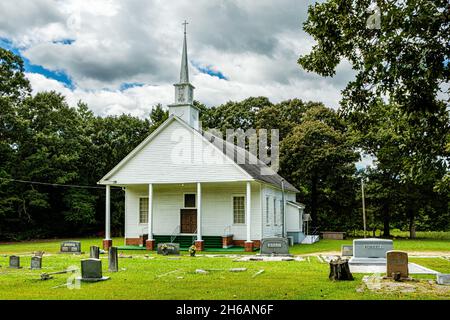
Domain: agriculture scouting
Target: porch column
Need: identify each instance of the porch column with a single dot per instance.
(107, 242)
(248, 218)
(150, 243)
(199, 242)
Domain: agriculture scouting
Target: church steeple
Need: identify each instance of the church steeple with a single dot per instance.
(184, 92)
(184, 72)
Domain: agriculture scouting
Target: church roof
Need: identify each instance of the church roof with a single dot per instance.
(254, 168)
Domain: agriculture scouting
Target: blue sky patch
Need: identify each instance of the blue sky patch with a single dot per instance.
(127, 85)
(64, 41)
(59, 75)
(210, 70)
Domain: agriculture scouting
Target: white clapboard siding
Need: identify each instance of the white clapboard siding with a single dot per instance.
(177, 154)
(272, 228)
(293, 222)
(217, 209)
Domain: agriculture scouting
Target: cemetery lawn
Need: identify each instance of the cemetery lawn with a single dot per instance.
(160, 277)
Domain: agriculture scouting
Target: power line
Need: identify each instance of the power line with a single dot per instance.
(52, 184)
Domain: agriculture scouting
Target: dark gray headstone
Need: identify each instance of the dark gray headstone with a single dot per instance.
(91, 270)
(276, 246)
(36, 263)
(171, 248)
(14, 262)
(347, 251)
(113, 260)
(70, 247)
(95, 252)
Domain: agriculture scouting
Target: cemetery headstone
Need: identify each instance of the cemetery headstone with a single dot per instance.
(370, 251)
(14, 262)
(91, 270)
(397, 263)
(347, 251)
(113, 259)
(71, 247)
(36, 263)
(275, 246)
(168, 248)
(443, 278)
(95, 252)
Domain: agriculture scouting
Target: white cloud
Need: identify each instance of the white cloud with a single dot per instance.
(254, 44)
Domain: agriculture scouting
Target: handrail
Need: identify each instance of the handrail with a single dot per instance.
(225, 233)
(174, 234)
(194, 236)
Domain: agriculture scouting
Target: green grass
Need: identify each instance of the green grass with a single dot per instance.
(139, 277)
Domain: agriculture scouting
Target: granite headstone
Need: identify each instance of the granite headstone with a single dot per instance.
(346, 251)
(36, 263)
(275, 246)
(168, 248)
(113, 260)
(94, 252)
(370, 251)
(397, 263)
(91, 270)
(14, 262)
(71, 247)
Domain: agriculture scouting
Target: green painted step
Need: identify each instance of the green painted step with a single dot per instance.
(187, 241)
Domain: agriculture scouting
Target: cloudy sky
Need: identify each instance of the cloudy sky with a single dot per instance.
(124, 56)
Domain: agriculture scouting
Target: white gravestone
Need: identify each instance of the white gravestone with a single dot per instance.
(370, 251)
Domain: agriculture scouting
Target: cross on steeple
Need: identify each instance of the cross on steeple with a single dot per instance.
(185, 23)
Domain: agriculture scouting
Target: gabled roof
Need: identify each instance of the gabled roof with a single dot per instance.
(253, 170)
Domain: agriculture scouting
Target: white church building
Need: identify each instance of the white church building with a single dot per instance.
(185, 186)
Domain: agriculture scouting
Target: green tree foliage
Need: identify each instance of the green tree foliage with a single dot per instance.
(317, 158)
(406, 58)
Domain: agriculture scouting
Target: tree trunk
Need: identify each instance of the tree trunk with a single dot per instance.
(314, 199)
(339, 270)
(386, 220)
(412, 225)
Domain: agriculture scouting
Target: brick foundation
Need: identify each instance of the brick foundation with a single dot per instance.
(150, 245)
(227, 241)
(248, 246)
(136, 241)
(241, 243)
(199, 245)
(107, 243)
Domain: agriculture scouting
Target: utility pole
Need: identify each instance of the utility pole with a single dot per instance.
(363, 206)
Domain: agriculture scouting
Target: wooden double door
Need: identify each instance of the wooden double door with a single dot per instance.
(188, 223)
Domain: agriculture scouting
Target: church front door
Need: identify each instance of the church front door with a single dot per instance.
(188, 223)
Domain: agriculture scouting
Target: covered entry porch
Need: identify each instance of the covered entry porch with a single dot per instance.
(206, 214)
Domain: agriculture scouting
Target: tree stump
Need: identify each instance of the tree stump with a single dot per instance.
(339, 270)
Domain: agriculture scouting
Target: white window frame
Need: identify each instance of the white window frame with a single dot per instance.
(275, 211)
(232, 209)
(139, 212)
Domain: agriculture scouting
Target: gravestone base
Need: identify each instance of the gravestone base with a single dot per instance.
(443, 278)
(93, 279)
(367, 261)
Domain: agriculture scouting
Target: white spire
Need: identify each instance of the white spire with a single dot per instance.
(184, 72)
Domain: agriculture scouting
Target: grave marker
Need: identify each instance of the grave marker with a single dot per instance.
(370, 251)
(71, 247)
(36, 263)
(113, 260)
(14, 262)
(168, 248)
(94, 252)
(347, 251)
(275, 246)
(397, 263)
(91, 270)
